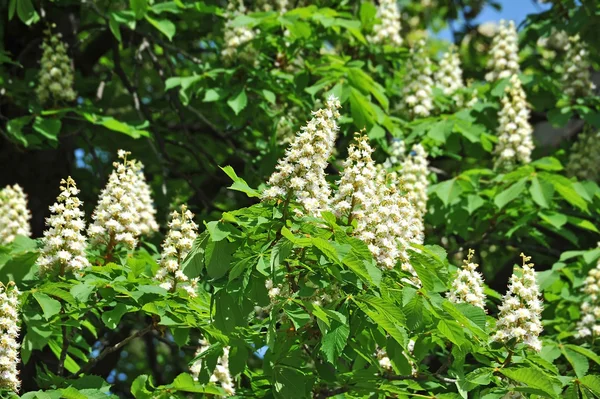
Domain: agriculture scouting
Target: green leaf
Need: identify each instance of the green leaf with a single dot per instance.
(217, 257)
(289, 382)
(584, 351)
(591, 382)
(451, 330)
(510, 193)
(239, 184)
(112, 318)
(139, 389)
(367, 14)
(361, 110)
(269, 96)
(559, 117)
(139, 8)
(578, 361)
(115, 125)
(238, 102)
(334, 342)
(386, 316)
(185, 383)
(564, 187)
(82, 292)
(215, 94)
(547, 163)
(49, 128)
(447, 191)
(474, 202)
(50, 307)
(14, 128)
(541, 193)
(165, 26)
(531, 377)
(113, 24)
(26, 12)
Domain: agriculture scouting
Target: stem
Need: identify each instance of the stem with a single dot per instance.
(63, 352)
(89, 365)
(508, 358)
(110, 248)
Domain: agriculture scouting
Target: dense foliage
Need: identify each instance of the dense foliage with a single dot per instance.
(292, 199)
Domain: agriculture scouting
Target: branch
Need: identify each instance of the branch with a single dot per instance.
(89, 365)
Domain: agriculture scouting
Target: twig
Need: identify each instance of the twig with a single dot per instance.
(89, 365)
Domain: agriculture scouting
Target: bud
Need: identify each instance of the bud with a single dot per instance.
(56, 74)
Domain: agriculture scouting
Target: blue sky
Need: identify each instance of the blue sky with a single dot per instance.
(516, 10)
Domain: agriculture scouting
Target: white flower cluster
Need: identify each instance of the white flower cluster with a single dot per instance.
(284, 131)
(515, 142)
(56, 72)
(14, 214)
(272, 290)
(414, 174)
(383, 360)
(520, 312)
(418, 83)
(396, 156)
(177, 245)
(388, 31)
(584, 157)
(467, 287)
(301, 173)
(449, 75)
(281, 6)
(9, 333)
(144, 204)
(221, 374)
(576, 78)
(64, 243)
(357, 194)
(235, 36)
(391, 225)
(589, 325)
(118, 215)
(504, 60)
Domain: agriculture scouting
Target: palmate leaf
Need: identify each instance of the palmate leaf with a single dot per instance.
(533, 378)
(334, 342)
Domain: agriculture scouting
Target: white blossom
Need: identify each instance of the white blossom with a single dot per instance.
(177, 245)
(396, 154)
(414, 180)
(221, 374)
(589, 324)
(116, 219)
(301, 173)
(449, 75)
(584, 156)
(515, 142)
(388, 30)
(9, 334)
(467, 287)
(144, 205)
(357, 194)
(504, 59)
(576, 78)
(14, 214)
(390, 225)
(235, 36)
(56, 71)
(64, 243)
(521, 309)
(418, 83)
(281, 6)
